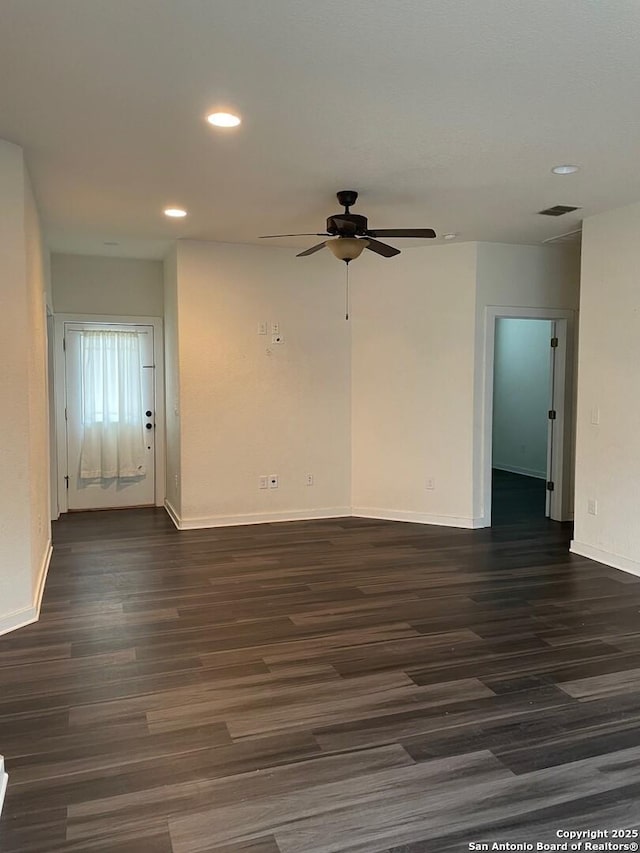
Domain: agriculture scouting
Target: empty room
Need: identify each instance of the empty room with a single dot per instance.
(319, 449)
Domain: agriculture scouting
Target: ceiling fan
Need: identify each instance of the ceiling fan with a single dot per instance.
(351, 233)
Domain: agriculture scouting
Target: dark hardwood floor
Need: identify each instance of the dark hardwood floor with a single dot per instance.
(338, 685)
(517, 498)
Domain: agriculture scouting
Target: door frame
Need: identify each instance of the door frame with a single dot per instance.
(561, 503)
(61, 395)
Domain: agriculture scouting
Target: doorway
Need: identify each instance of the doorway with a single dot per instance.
(110, 413)
(522, 440)
(527, 421)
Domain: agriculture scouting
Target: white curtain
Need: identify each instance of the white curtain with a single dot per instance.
(112, 415)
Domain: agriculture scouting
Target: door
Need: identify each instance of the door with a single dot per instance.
(527, 413)
(554, 361)
(110, 415)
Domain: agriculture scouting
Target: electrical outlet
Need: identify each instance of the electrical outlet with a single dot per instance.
(595, 416)
(275, 328)
(273, 481)
(592, 506)
(430, 483)
(309, 479)
(263, 328)
(263, 482)
(175, 481)
(277, 339)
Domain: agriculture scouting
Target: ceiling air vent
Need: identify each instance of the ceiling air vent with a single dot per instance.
(558, 210)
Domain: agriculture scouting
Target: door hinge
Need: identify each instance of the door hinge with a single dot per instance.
(550, 485)
(64, 344)
(552, 414)
(65, 413)
(66, 481)
(554, 342)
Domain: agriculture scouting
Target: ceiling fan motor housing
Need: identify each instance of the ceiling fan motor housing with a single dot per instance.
(347, 225)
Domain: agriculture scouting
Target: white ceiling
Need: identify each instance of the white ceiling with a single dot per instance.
(442, 113)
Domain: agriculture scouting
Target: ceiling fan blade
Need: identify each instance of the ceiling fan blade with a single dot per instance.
(313, 249)
(401, 232)
(316, 234)
(381, 248)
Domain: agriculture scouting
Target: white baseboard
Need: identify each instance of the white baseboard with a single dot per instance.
(526, 472)
(416, 517)
(623, 563)
(324, 512)
(255, 517)
(27, 615)
(4, 779)
(18, 619)
(171, 512)
(42, 577)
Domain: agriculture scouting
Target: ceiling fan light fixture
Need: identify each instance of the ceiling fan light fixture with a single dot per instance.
(347, 248)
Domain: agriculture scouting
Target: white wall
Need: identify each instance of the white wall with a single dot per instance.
(240, 407)
(521, 396)
(528, 276)
(608, 453)
(15, 511)
(520, 277)
(24, 463)
(418, 369)
(413, 322)
(249, 407)
(38, 389)
(90, 284)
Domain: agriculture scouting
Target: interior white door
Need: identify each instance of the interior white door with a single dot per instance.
(106, 492)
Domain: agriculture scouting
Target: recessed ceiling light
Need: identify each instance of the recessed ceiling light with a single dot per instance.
(224, 119)
(565, 170)
(175, 212)
(449, 236)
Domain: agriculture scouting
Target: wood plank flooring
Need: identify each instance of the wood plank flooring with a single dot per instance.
(346, 686)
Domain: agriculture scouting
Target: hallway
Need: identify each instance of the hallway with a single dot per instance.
(335, 685)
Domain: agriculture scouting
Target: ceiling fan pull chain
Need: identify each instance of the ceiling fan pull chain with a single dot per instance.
(347, 294)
